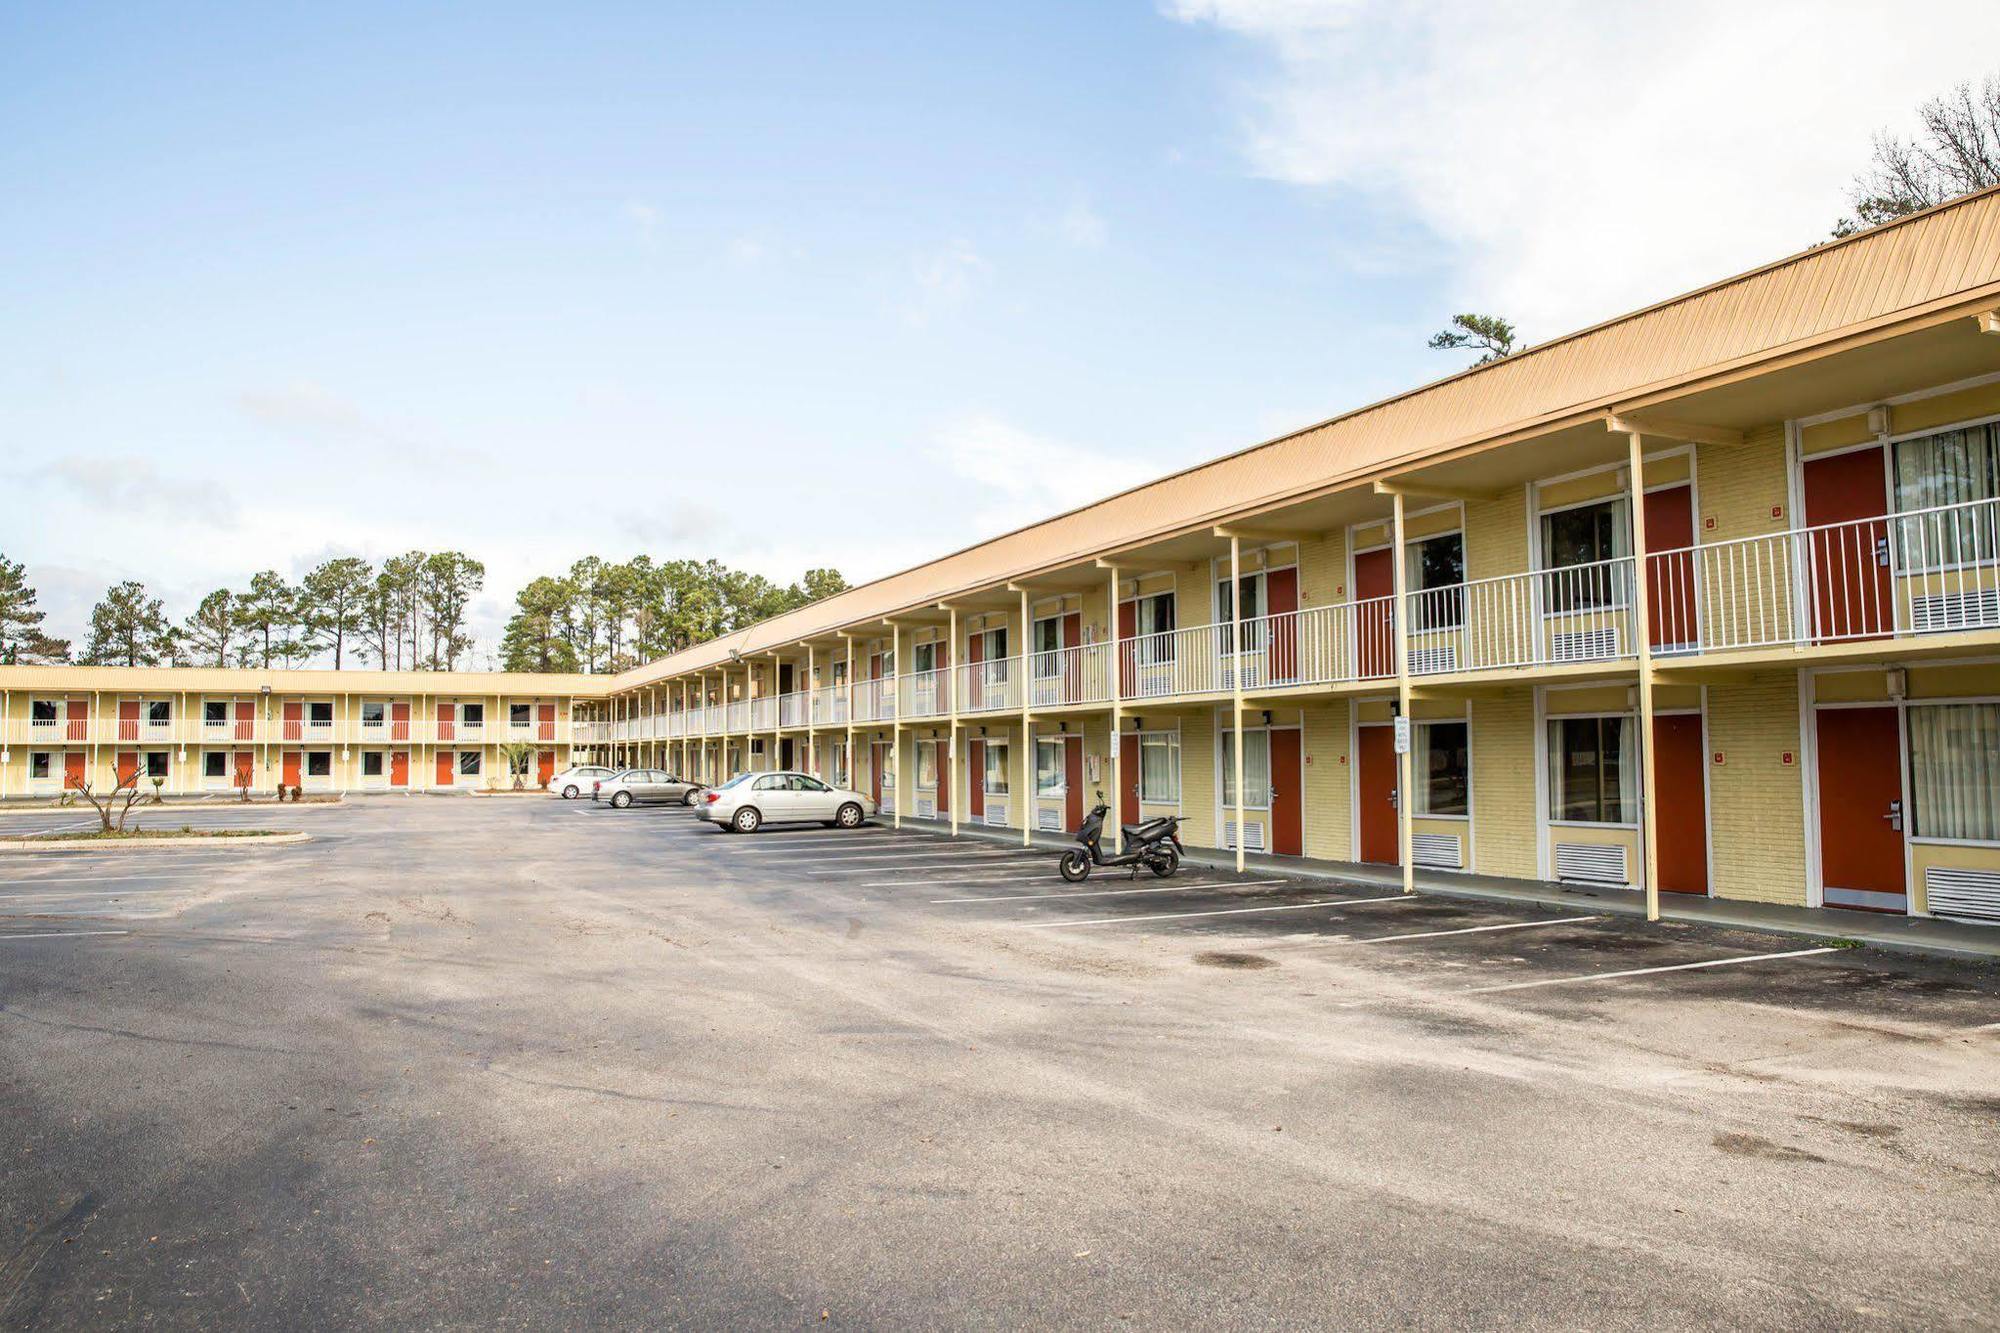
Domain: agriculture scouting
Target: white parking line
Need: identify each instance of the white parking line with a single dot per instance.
(1648, 971)
(945, 865)
(1468, 930)
(88, 879)
(88, 893)
(1023, 877)
(977, 857)
(1114, 893)
(62, 934)
(1223, 911)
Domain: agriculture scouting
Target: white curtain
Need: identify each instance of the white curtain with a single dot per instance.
(1953, 467)
(1160, 767)
(1256, 770)
(1955, 764)
(996, 769)
(1628, 768)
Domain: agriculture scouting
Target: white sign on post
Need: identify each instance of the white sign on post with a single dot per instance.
(1114, 745)
(1402, 735)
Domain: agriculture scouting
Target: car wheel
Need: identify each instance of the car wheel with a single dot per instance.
(849, 816)
(747, 819)
(620, 800)
(1075, 866)
(692, 798)
(570, 792)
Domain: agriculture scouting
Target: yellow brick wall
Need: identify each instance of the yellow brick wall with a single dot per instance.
(1503, 786)
(1323, 570)
(1198, 778)
(1496, 535)
(1329, 818)
(1756, 802)
(1739, 485)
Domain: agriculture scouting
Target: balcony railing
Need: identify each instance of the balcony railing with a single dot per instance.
(1549, 617)
(1076, 675)
(989, 687)
(875, 700)
(829, 706)
(923, 694)
(792, 709)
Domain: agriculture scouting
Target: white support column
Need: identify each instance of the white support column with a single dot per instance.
(1117, 718)
(1405, 802)
(847, 712)
(903, 779)
(950, 673)
(1642, 633)
(1029, 798)
(811, 692)
(1236, 682)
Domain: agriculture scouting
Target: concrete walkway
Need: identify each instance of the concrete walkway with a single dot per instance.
(1929, 935)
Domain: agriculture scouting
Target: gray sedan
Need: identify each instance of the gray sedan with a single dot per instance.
(646, 786)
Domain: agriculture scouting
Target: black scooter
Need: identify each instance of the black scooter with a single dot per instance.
(1155, 844)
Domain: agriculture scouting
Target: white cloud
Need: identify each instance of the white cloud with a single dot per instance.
(1082, 226)
(1577, 158)
(120, 488)
(645, 217)
(1019, 477)
(944, 279)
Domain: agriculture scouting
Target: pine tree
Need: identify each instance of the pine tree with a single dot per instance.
(128, 628)
(21, 637)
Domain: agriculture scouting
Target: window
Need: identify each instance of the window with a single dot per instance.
(1437, 565)
(995, 646)
(1049, 768)
(371, 763)
(159, 713)
(885, 755)
(1955, 771)
(319, 763)
(518, 764)
(43, 711)
(1256, 770)
(1253, 606)
(1593, 773)
(1953, 467)
(839, 765)
(468, 763)
(1048, 642)
(520, 715)
(156, 764)
(215, 764)
(1585, 535)
(996, 769)
(927, 774)
(215, 712)
(1160, 767)
(1443, 768)
(373, 713)
(472, 715)
(320, 714)
(1154, 616)
(800, 782)
(925, 657)
(772, 782)
(41, 763)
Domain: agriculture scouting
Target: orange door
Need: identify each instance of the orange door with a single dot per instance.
(975, 688)
(128, 719)
(944, 778)
(1679, 805)
(78, 714)
(545, 724)
(545, 767)
(1287, 794)
(399, 768)
(73, 770)
(1861, 808)
(1072, 635)
(447, 718)
(444, 768)
(1375, 769)
(290, 768)
(1281, 591)
(975, 777)
(127, 767)
(1073, 780)
(246, 725)
(1128, 778)
(399, 722)
(1848, 565)
(1375, 620)
(1128, 652)
(1670, 596)
(246, 768)
(295, 726)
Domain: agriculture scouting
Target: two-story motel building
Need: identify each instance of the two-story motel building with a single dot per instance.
(1702, 600)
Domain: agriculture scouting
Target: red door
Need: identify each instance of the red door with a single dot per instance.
(1288, 794)
(291, 769)
(1281, 591)
(127, 767)
(399, 722)
(246, 768)
(295, 727)
(1072, 635)
(447, 716)
(875, 766)
(1128, 778)
(1073, 781)
(444, 768)
(975, 777)
(545, 724)
(246, 726)
(73, 770)
(1679, 760)
(1375, 767)
(1128, 653)
(1861, 808)
(944, 778)
(545, 767)
(1375, 618)
(1670, 596)
(399, 768)
(1848, 564)
(975, 688)
(128, 719)
(78, 713)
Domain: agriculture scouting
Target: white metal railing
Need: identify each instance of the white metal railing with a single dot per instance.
(764, 713)
(875, 700)
(989, 687)
(739, 715)
(1578, 613)
(1075, 675)
(792, 709)
(924, 694)
(829, 706)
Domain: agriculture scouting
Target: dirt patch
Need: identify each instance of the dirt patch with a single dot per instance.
(1752, 1145)
(1242, 962)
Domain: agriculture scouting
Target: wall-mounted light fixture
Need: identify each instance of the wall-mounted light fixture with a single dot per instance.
(1898, 682)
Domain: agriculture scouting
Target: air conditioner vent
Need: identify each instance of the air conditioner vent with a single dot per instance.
(996, 813)
(1049, 821)
(1591, 862)
(926, 808)
(1440, 850)
(1434, 661)
(1253, 835)
(1955, 610)
(1588, 645)
(1972, 894)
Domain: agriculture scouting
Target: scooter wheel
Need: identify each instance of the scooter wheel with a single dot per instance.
(1166, 863)
(1075, 867)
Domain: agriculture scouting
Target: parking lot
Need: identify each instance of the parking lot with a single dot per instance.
(524, 1061)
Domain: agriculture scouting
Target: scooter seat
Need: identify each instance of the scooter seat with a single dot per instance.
(1149, 829)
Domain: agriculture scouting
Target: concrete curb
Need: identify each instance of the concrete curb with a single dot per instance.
(237, 843)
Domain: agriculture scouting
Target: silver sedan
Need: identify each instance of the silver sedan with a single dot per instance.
(750, 800)
(640, 786)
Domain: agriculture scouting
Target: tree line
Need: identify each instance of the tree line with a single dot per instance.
(606, 616)
(410, 614)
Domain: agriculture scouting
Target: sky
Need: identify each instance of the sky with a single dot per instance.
(812, 284)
